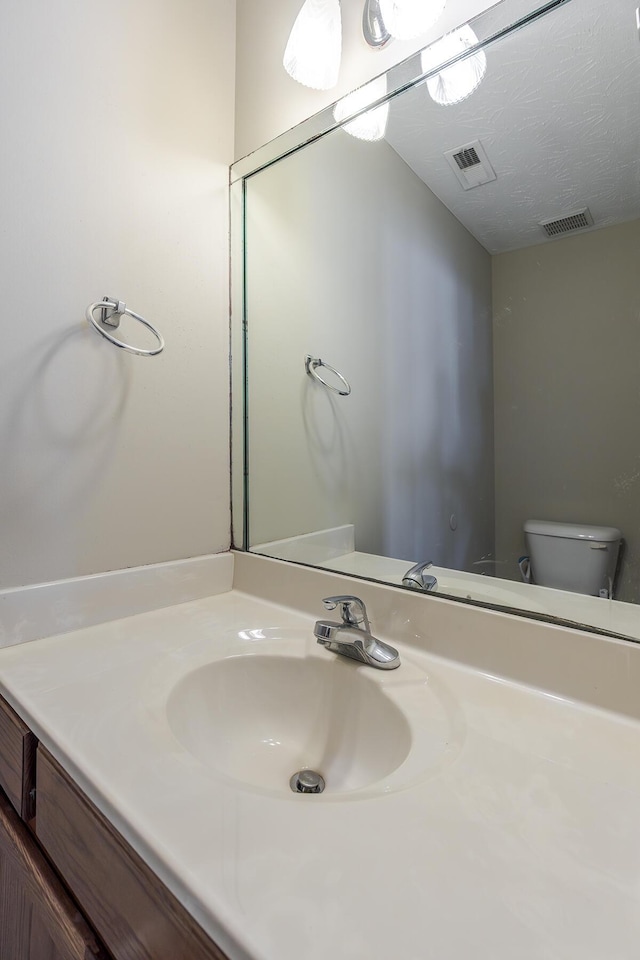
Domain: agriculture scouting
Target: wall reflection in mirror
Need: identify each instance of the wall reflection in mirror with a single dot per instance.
(467, 258)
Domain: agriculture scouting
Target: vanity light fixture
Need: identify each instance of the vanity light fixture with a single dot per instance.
(406, 19)
(313, 51)
(371, 125)
(373, 26)
(457, 82)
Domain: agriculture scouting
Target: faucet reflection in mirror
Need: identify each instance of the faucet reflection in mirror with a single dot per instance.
(417, 577)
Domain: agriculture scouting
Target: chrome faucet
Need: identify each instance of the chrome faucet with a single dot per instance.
(417, 579)
(352, 637)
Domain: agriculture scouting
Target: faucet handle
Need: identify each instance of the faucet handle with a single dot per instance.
(419, 567)
(352, 610)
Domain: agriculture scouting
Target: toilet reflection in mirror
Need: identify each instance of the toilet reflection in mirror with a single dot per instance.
(474, 276)
(568, 556)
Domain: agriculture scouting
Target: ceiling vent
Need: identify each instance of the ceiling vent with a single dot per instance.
(470, 164)
(468, 157)
(578, 220)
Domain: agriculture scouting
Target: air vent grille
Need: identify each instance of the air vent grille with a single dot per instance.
(471, 165)
(467, 158)
(578, 220)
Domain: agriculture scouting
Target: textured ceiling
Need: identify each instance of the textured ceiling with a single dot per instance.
(558, 113)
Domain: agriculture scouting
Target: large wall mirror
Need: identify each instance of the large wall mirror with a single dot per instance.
(460, 265)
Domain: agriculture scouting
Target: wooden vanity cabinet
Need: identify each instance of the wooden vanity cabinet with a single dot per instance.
(71, 888)
(17, 763)
(134, 913)
(38, 918)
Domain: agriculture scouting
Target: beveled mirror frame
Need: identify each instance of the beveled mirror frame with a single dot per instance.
(493, 25)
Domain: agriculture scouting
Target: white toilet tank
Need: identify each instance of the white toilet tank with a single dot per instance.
(572, 556)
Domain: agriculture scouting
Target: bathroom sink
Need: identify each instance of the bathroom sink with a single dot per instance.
(258, 719)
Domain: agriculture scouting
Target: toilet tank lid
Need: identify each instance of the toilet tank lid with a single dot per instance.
(572, 531)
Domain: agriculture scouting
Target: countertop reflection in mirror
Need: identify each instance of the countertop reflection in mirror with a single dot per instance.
(473, 273)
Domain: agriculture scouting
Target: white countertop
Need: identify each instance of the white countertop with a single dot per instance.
(523, 843)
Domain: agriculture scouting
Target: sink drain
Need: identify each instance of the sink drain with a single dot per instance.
(307, 781)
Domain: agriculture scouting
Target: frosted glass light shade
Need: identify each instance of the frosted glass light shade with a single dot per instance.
(405, 19)
(371, 125)
(312, 55)
(459, 81)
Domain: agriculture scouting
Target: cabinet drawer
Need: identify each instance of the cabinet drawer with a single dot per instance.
(17, 761)
(38, 919)
(132, 911)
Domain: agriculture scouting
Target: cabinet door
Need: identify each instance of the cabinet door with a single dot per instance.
(38, 919)
(134, 913)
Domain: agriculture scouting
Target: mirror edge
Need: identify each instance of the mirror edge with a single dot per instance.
(496, 23)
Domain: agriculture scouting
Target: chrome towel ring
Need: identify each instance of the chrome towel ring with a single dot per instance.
(311, 365)
(112, 310)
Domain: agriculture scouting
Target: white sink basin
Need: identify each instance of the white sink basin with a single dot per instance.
(257, 706)
(260, 719)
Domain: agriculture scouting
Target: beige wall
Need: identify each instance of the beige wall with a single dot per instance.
(117, 131)
(567, 393)
(351, 258)
(268, 101)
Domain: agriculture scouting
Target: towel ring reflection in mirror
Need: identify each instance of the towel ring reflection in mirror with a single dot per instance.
(311, 365)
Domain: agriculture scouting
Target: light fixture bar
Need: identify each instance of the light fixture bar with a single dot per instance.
(373, 25)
